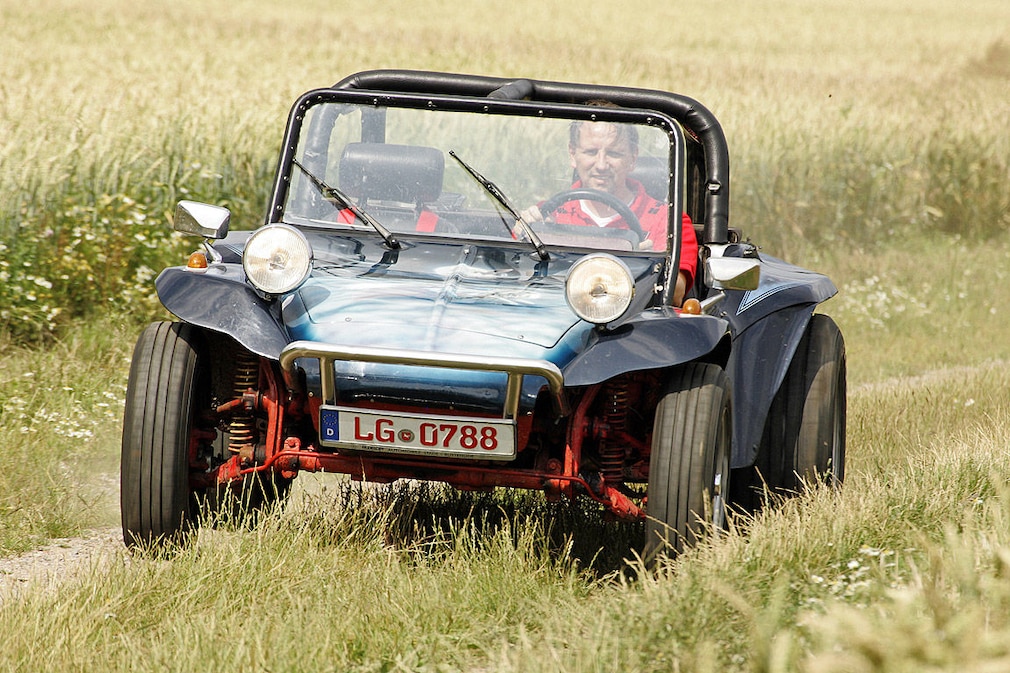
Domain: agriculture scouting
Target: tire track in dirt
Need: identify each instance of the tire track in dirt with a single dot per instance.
(59, 560)
(62, 559)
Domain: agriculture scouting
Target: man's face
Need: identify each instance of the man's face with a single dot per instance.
(602, 157)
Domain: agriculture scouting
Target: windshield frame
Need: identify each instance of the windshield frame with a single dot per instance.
(487, 106)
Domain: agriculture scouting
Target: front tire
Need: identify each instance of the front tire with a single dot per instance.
(689, 467)
(155, 495)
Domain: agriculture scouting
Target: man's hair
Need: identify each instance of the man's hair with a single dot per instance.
(623, 130)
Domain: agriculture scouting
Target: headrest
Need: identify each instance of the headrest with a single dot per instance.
(654, 175)
(386, 172)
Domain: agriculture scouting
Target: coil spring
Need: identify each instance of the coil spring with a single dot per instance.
(615, 415)
(242, 429)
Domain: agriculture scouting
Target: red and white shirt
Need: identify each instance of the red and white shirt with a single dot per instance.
(652, 215)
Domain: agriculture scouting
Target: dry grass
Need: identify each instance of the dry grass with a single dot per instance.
(869, 140)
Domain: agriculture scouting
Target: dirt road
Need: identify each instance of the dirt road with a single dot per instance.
(58, 560)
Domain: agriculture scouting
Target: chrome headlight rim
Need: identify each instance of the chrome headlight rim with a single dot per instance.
(600, 288)
(277, 258)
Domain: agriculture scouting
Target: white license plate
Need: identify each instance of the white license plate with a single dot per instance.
(417, 434)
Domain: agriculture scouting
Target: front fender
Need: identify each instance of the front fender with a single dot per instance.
(657, 339)
(220, 300)
(760, 358)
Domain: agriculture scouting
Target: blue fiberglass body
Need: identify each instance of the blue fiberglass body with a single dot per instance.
(466, 299)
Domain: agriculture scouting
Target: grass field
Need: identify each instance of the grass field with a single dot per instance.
(869, 141)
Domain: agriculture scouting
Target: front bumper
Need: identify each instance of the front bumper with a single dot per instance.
(515, 369)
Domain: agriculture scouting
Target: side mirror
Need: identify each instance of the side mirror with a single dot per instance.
(202, 219)
(732, 273)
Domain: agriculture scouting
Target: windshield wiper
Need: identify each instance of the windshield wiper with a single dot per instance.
(345, 201)
(492, 189)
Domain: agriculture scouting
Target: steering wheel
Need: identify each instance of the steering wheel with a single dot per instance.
(621, 208)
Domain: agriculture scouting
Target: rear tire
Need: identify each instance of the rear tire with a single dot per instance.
(689, 467)
(155, 497)
(804, 437)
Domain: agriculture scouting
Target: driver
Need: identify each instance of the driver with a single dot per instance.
(603, 154)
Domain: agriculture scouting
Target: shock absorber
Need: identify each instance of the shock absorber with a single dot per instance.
(242, 429)
(615, 416)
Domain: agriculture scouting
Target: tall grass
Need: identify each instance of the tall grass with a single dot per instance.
(110, 103)
(859, 187)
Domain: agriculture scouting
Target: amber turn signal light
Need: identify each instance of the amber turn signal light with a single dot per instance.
(197, 261)
(691, 306)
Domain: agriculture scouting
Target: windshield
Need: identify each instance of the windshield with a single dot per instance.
(596, 182)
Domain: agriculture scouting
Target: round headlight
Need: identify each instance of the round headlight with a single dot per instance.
(599, 288)
(277, 259)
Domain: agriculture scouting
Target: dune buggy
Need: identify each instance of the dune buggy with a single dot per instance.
(397, 316)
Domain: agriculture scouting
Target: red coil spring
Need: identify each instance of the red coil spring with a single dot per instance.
(242, 429)
(615, 415)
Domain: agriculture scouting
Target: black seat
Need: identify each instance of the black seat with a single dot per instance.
(387, 172)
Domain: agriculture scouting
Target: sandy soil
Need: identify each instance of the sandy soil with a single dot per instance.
(58, 560)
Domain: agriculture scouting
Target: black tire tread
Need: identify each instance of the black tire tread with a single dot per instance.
(679, 471)
(156, 425)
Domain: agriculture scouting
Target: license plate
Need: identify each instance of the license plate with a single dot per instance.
(417, 434)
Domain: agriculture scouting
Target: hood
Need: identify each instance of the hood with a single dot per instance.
(439, 297)
(454, 298)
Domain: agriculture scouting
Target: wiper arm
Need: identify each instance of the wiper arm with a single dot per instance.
(492, 189)
(344, 200)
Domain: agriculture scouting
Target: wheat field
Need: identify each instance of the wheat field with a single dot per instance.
(869, 141)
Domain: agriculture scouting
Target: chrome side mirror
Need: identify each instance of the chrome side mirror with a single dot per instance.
(202, 219)
(732, 273)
